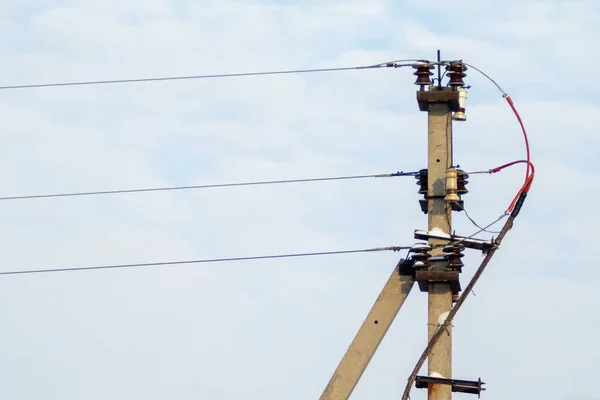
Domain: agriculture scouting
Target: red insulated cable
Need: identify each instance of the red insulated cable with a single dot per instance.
(512, 106)
(526, 185)
(510, 164)
(530, 168)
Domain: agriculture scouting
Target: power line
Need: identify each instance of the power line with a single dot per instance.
(504, 94)
(475, 223)
(219, 185)
(390, 64)
(478, 226)
(203, 261)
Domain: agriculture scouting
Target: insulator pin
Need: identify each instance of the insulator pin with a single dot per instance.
(421, 178)
(423, 73)
(422, 182)
(454, 255)
(420, 253)
(456, 73)
(462, 182)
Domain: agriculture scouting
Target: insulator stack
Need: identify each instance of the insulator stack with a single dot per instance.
(422, 182)
(421, 178)
(420, 253)
(456, 73)
(461, 188)
(462, 182)
(454, 255)
(423, 73)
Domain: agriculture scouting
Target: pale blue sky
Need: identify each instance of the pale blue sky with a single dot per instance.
(259, 329)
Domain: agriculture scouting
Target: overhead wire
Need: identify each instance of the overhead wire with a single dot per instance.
(513, 209)
(530, 168)
(475, 223)
(499, 168)
(493, 171)
(488, 77)
(203, 261)
(389, 64)
(525, 137)
(210, 186)
(483, 229)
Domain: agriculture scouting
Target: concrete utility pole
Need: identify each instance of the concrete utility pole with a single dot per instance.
(369, 336)
(439, 217)
(438, 274)
(435, 265)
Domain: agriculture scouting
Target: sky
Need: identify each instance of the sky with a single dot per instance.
(273, 329)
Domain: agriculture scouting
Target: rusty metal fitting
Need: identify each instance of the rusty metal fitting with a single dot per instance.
(458, 386)
(423, 73)
(456, 72)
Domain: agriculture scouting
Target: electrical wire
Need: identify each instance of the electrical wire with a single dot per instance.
(389, 64)
(530, 172)
(500, 168)
(220, 185)
(510, 164)
(524, 188)
(475, 223)
(485, 228)
(512, 106)
(213, 260)
(530, 168)
(488, 77)
(481, 229)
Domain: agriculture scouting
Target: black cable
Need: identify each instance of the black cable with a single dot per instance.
(213, 260)
(220, 185)
(174, 78)
(476, 224)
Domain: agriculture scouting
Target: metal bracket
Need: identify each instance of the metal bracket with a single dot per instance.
(477, 244)
(435, 95)
(460, 386)
(426, 277)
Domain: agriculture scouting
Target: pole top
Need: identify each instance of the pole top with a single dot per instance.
(438, 95)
